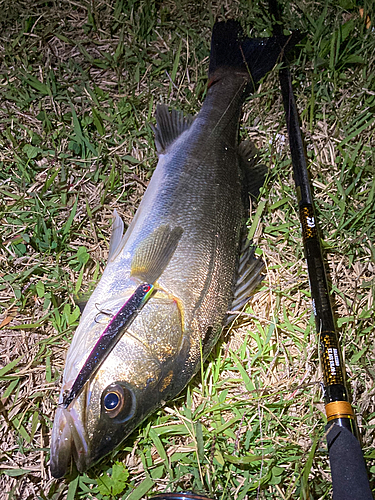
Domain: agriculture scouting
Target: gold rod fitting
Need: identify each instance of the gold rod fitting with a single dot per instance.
(339, 409)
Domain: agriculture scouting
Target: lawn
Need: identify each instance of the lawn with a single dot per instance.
(79, 84)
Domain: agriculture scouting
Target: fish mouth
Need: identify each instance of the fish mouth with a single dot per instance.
(68, 441)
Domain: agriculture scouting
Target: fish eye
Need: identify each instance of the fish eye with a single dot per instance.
(111, 401)
(117, 401)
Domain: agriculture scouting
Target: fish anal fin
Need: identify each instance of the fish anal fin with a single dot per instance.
(254, 172)
(169, 126)
(154, 253)
(249, 277)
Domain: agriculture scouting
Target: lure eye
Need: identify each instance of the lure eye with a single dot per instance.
(118, 401)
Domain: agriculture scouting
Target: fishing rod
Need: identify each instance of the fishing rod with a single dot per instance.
(349, 475)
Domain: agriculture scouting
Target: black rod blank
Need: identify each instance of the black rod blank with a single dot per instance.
(330, 352)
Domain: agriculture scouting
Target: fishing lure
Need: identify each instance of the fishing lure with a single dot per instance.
(108, 339)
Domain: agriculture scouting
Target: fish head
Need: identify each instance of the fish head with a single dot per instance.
(119, 399)
(141, 372)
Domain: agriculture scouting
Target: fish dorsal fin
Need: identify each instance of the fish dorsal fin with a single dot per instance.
(169, 126)
(254, 172)
(249, 276)
(154, 253)
(116, 235)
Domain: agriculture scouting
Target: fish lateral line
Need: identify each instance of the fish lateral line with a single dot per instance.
(108, 339)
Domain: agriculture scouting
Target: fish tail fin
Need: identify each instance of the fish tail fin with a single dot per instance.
(232, 50)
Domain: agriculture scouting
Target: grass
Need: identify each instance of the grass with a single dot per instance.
(79, 82)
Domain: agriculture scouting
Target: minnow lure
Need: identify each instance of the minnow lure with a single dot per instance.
(108, 340)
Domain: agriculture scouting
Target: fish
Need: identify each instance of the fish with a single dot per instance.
(187, 247)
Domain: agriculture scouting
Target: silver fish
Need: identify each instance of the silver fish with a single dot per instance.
(186, 241)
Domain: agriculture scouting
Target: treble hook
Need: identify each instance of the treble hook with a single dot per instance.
(104, 312)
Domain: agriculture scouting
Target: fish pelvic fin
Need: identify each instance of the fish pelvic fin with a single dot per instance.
(230, 49)
(169, 126)
(154, 253)
(254, 173)
(249, 277)
(116, 234)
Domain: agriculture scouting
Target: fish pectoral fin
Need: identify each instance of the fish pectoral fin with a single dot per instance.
(254, 172)
(249, 276)
(154, 253)
(116, 235)
(169, 126)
